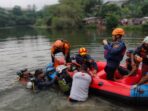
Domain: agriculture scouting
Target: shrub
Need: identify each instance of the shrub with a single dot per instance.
(63, 22)
(145, 27)
(111, 21)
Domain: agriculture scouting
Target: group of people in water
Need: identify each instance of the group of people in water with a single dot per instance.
(85, 67)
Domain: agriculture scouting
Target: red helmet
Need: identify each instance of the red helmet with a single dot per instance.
(118, 31)
(82, 51)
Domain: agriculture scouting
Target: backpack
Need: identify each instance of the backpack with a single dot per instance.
(64, 82)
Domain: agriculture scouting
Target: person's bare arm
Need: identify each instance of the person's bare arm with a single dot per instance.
(133, 71)
(143, 80)
(132, 59)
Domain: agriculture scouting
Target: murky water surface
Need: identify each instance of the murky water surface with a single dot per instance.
(30, 48)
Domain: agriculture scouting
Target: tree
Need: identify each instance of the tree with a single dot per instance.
(111, 21)
(17, 11)
(125, 12)
(145, 10)
(70, 13)
(135, 7)
(110, 9)
(92, 7)
(4, 17)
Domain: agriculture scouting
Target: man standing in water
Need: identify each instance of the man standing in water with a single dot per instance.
(114, 52)
(80, 86)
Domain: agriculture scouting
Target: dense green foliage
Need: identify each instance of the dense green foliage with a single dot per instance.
(17, 17)
(70, 13)
(145, 27)
(111, 21)
(110, 9)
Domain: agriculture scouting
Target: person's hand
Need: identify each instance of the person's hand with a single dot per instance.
(134, 86)
(89, 71)
(95, 72)
(105, 42)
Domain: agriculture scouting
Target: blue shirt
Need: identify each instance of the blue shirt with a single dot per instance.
(85, 61)
(114, 52)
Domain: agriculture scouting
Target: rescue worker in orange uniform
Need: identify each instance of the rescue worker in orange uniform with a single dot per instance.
(61, 46)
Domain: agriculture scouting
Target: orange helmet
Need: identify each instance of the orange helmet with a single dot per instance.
(82, 51)
(118, 31)
(58, 43)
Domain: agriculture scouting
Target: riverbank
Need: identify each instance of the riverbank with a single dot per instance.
(143, 27)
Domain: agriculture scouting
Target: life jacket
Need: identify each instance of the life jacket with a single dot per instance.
(117, 54)
(66, 42)
(86, 62)
(64, 81)
(65, 48)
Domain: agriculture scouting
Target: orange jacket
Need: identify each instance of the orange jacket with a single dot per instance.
(65, 48)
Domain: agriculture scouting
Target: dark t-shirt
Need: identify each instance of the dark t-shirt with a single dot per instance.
(142, 51)
(129, 66)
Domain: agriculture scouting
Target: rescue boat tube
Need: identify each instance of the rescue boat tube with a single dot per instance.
(120, 88)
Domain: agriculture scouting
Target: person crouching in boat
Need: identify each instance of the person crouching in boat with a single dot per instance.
(132, 64)
(114, 52)
(80, 86)
(86, 61)
(142, 51)
(61, 46)
(41, 81)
